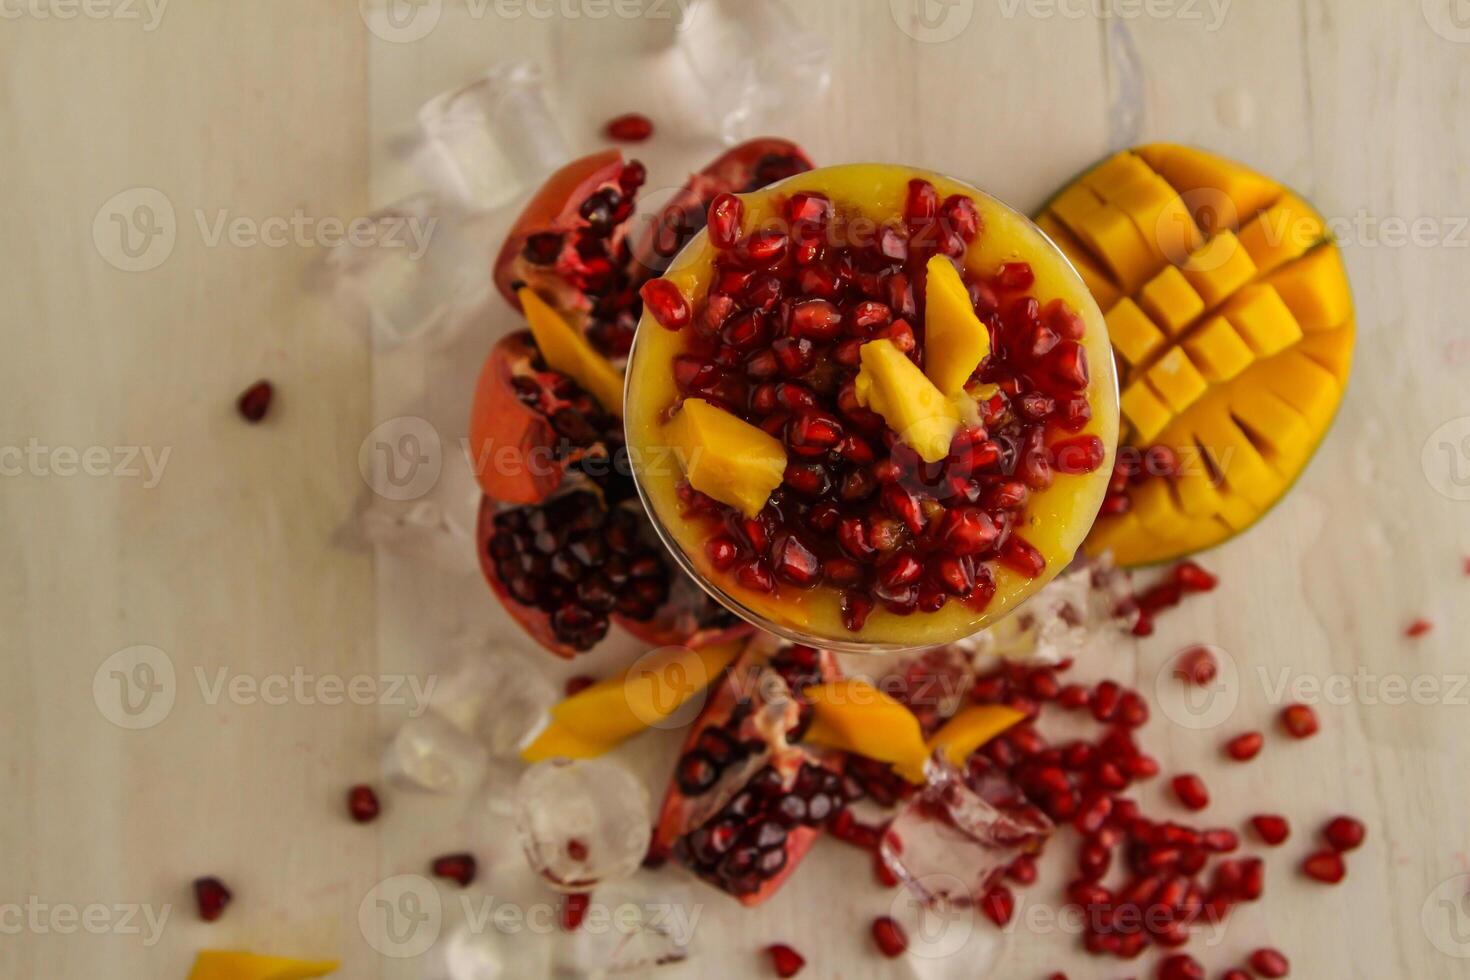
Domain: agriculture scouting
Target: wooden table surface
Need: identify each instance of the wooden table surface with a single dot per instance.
(231, 554)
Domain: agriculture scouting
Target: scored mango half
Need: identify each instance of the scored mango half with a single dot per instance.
(1231, 318)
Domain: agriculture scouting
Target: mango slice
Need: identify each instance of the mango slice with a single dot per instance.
(1235, 348)
(725, 456)
(597, 718)
(855, 716)
(972, 727)
(568, 351)
(894, 387)
(955, 341)
(213, 964)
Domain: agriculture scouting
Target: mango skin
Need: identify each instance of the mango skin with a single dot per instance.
(1059, 517)
(1267, 331)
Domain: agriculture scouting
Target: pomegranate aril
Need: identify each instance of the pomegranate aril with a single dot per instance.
(807, 211)
(1196, 666)
(1269, 963)
(999, 905)
(959, 215)
(1325, 866)
(632, 127)
(574, 910)
(362, 803)
(1235, 975)
(1019, 555)
(1074, 457)
(755, 575)
(1418, 628)
(726, 212)
(1245, 747)
(1068, 365)
(1271, 828)
(746, 331)
(890, 937)
(667, 304)
(968, 531)
(763, 248)
(866, 317)
(1192, 578)
(1299, 720)
(786, 961)
(722, 552)
(795, 563)
(255, 401)
(1191, 791)
(211, 896)
(816, 319)
(1345, 834)
(460, 868)
(856, 607)
(1181, 966)
(795, 355)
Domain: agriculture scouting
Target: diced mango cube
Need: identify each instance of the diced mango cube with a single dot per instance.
(1075, 204)
(1198, 495)
(1302, 383)
(1221, 193)
(1132, 333)
(1158, 510)
(1144, 410)
(955, 341)
(1219, 268)
(1218, 350)
(1171, 301)
(1177, 380)
(1115, 173)
(726, 457)
(1244, 470)
(894, 387)
(1094, 276)
(1115, 239)
(1263, 320)
(1333, 349)
(1275, 425)
(567, 350)
(855, 716)
(1315, 289)
(1282, 233)
(1163, 218)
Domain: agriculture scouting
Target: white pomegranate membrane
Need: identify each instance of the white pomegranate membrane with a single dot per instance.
(776, 341)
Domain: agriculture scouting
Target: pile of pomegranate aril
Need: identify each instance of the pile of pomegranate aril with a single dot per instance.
(776, 341)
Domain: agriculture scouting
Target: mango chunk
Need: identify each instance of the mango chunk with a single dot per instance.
(1218, 350)
(955, 341)
(1144, 410)
(1115, 239)
(1075, 205)
(855, 716)
(1094, 277)
(1171, 301)
(726, 457)
(894, 387)
(213, 964)
(1158, 509)
(1219, 268)
(1263, 320)
(1303, 384)
(1133, 334)
(1162, 217)
(644, 695)
(1274, 426)
(1315, 289)
(1237, 459)
(1221, 193)
(1282, 233)
(970, 728)
(558, 741)
(1196, 490)
(565, 349)
(1115, 173)
(1333, 349)
(1177, 380)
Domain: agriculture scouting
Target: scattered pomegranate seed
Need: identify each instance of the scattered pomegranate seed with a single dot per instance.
(574, 910)
(255, 401)
(1243, 748)
(212, 896)
(1271, 828)
(1181, 966)
(1192, 578)
(1299, 720)
(786, 961)
(1269, 963)
(890, 937)
(1345, 834)
(1191, 791)
(1196, 665)
(362, 803)
(1325, 866)
(1235, 975)
(1418, 627)
(630, 128)
(999, 905)
(460, 868)
(579, 683)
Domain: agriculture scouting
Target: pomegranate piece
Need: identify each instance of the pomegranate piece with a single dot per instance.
(1325, 866)
(1192, 578)
(1269, 963)
(1191, 791)
(1299, 720)
(1196, 665)
(1271, 828)
(211, 896)
(1418, 628)
(574, 910)
(785, 961)
(1181, 966)
(460, 868)
(999, 905)
(362, 803)
(668, 306)
(726, 212)
(254, 402)
(1243, 748)
(889, 935)
(630, 128)
(1345, 834)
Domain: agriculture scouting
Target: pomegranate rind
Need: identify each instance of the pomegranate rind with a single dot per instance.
(1058, 518)
(511, 445)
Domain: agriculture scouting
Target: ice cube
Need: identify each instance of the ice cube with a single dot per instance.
(437, 527)
(947, 942)
(430, 753)
(948, 844)
(413, 271)
(933, 683)
(498, 696)
(487, 141)
(582, 822)
(486, 953)
(630, 928)
(752, 60)
(1089, 601)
